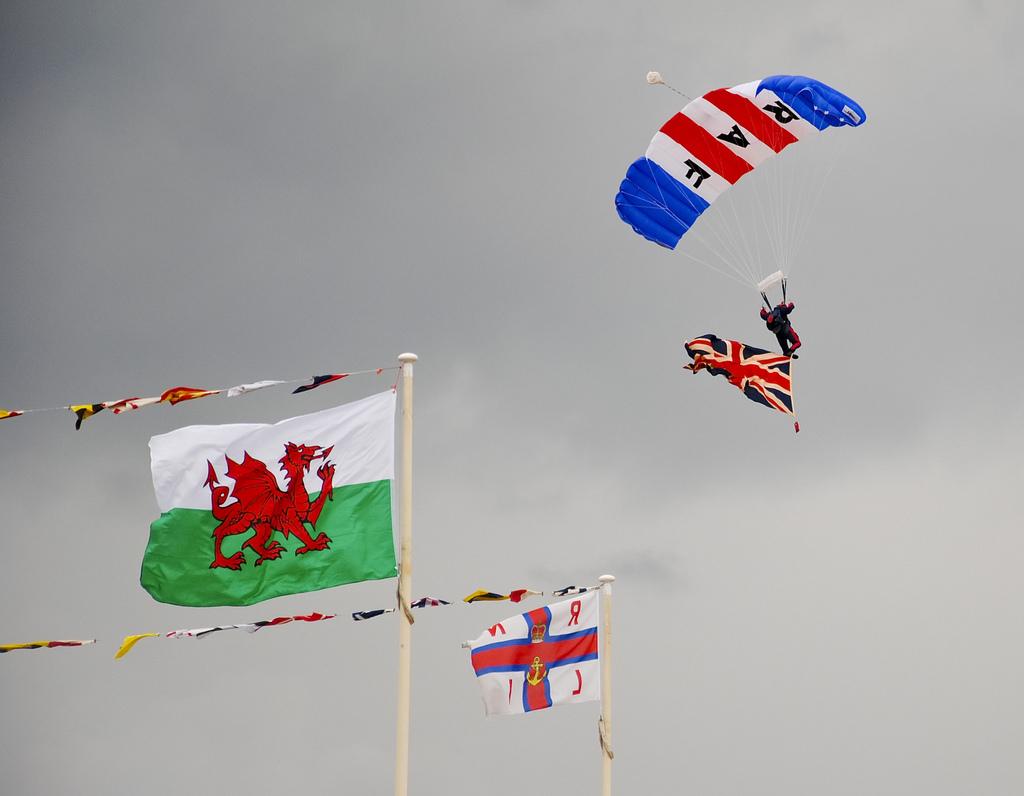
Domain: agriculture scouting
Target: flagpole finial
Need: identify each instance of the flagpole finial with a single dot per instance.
(407, 357)
(607, 579)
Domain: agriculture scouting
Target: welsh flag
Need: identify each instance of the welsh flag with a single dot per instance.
(254, 511)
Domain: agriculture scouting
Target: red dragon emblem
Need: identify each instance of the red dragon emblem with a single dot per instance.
(261, 505)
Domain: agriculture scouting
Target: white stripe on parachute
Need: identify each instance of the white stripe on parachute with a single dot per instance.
(672, 157)
(718, 122)
(798, 128)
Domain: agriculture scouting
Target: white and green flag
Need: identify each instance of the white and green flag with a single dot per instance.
(254, 511)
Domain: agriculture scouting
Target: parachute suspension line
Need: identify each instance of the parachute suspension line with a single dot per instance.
(768, 221)
(737, 234)
(798, 212)
(784, 203)
(789, 212)
(728, 258)
(655, 79)
(716, 239)
(724, 250)
(743, 236)
(712, 249)
(792, 191)
(732, 257)
(764, 194)
(752, 261)
(714, 268)
(782, 206)
(783, 290)
(803, 229)
(764, 297)
(737, 231)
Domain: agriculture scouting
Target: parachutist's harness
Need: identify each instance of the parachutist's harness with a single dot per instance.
(764, 296)
(777, 320)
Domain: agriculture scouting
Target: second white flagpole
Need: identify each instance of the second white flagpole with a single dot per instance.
(404, 581)
(604, 725)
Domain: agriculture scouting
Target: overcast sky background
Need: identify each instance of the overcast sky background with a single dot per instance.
(213, 193)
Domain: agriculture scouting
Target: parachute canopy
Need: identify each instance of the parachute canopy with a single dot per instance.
(717, 139)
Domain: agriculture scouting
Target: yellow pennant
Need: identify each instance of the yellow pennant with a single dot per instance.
(131, 641)
(480, 596)
(84, 411)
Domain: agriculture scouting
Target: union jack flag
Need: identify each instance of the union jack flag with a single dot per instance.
(763, 376)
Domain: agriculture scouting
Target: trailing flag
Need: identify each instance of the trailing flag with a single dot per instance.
(6, 413)
(422, 602)
(359, 616)
(545, 657)
(762, 376)
(131, 641)
(573, 590)
(481, 596)
(35, 645)
(319, 381)
(176, 395)
(428, 602)
(242, 389)
(516, 595)
(253, 511)
(128, 404)
(84, 412)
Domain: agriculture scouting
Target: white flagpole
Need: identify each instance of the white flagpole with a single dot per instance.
(404, 581)
(604, 726)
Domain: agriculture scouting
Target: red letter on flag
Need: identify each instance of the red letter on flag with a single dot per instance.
(574, 613)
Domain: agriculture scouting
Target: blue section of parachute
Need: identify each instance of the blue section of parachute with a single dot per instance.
(656, 204)
(815, 101)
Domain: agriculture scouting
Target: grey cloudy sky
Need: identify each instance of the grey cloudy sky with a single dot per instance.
(214, 193)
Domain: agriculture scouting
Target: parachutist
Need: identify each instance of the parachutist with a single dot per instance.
(778, 324)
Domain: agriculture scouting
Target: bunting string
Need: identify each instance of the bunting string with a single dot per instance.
(129, 642)
(176, 395)
(478, 596)
(203, 632)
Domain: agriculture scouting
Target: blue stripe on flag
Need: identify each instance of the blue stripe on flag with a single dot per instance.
(590, 656)
(590, 631)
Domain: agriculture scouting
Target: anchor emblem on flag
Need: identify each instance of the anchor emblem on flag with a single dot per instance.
(537, 672)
